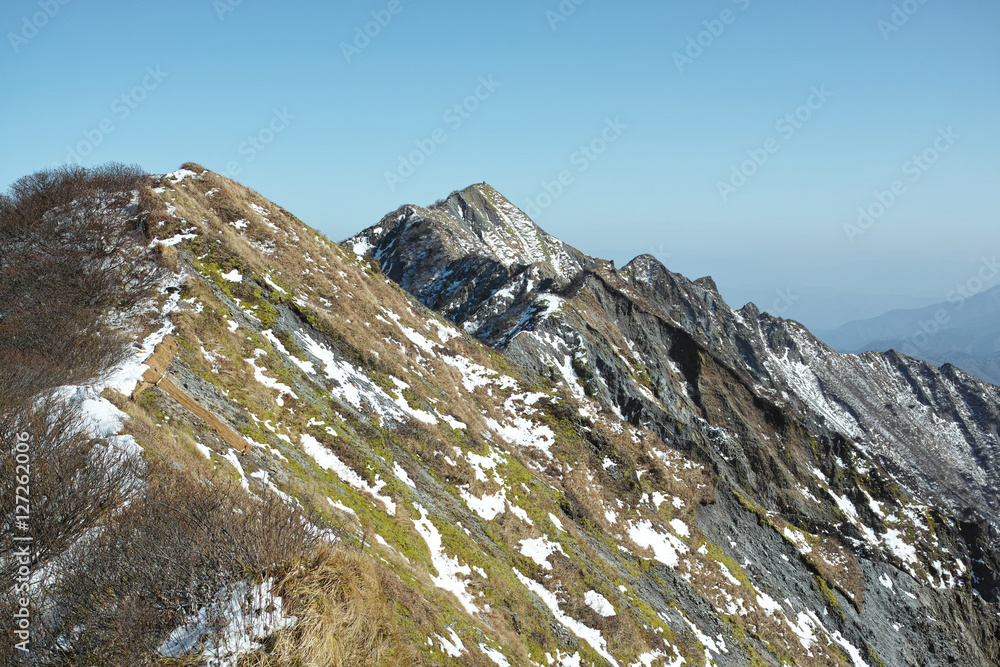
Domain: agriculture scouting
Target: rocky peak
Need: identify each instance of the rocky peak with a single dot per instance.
(472, 256)
(508, 233)
(477, 223)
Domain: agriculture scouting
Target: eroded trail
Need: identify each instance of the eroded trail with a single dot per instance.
(155, 376)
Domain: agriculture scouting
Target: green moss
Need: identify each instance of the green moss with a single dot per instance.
(402, 539)
(581, 369)
(751, 506)
(931, 523)
(266, 313)
(282, 372)
(412, 399)
(814, 445)
(873, 656)
(642, 376)
(716, 553)
(146, 400)
(831, 598)
(254, 432)
(291, 346)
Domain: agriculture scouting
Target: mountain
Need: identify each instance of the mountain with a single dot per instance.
(498, 450)
(472, 258)
(640, 339)
(963, 331)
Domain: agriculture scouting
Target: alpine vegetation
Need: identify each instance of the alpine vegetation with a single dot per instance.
(453, 439)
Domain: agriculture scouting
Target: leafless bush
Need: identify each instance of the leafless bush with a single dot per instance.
(129, 550)
(118, 593)
(75, 481)
(72, 251)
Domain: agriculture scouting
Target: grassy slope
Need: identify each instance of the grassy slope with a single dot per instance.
(297, 284)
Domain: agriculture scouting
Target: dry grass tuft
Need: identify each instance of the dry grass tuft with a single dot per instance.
(339, 596)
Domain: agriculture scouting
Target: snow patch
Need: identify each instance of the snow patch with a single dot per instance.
(539, 550)
(665, 546)
(447, 566)
(599, 603)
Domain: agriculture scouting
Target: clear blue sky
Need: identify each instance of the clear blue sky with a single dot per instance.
(226, 66)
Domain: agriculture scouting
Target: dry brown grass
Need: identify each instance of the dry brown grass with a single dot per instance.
(338, 286)
(166, 256)
(340, 597)
(161, 439)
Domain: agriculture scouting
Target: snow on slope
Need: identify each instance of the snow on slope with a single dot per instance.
(463, 459)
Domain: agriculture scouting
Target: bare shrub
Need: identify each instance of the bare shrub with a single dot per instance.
(161, 560)
(72, 251)
(75, 481)
(130, 550)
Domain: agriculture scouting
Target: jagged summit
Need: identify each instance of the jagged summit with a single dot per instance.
(477, 221)
(471, 256)
(508, 232)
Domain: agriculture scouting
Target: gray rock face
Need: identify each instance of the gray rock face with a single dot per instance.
(893, 459)
(474, 257)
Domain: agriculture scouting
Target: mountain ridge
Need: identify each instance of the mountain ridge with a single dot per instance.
(747, 340)
(962, 331)
(557, 462)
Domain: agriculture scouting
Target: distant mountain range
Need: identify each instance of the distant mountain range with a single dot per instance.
(964, 332)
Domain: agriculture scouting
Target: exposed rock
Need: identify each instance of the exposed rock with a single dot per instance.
(894, 458)
(513, 430)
